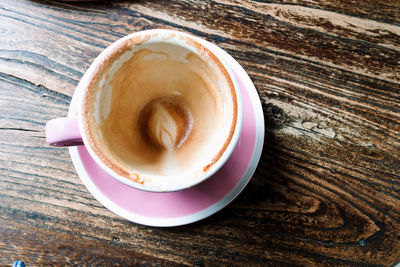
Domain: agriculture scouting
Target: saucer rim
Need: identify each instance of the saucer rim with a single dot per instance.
(227, 199)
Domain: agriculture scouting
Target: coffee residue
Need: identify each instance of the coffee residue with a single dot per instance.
(165, 123)
(165, 114)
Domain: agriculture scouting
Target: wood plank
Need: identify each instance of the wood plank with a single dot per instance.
(326, 191)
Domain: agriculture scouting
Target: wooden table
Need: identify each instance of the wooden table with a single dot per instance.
(327, 189)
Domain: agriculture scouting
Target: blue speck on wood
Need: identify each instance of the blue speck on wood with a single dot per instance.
(18, 264)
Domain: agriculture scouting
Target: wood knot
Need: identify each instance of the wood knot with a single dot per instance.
(274, 116)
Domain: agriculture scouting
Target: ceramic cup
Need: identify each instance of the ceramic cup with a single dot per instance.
(158, 110)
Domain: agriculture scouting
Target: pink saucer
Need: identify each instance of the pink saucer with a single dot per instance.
(192, 204)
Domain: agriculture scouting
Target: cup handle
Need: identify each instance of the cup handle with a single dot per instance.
(63, 132)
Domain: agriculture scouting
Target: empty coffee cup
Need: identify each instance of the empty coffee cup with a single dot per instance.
(158, 110)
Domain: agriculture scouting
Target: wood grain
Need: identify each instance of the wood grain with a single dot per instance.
(327, 189)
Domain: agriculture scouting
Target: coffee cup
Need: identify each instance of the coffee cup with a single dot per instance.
(159, 110)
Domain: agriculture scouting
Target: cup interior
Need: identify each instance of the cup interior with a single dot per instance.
(160, 110)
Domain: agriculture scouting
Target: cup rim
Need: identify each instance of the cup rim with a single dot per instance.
(105, 58)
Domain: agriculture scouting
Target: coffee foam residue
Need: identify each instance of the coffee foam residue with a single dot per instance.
(165, 122)
(160, 51)
(162, 110)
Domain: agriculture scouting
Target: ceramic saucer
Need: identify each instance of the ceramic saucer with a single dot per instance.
(192, 204)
